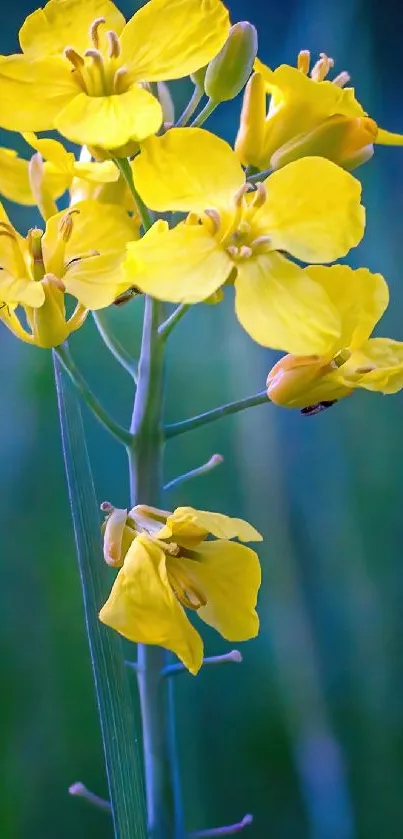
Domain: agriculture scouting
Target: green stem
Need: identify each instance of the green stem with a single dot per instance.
(169, 324)
(145, 463)
(211, 416)
(259, 176)
(122, 356)
(121, 434)
(208, 109)
(190, 107)
(125, 169)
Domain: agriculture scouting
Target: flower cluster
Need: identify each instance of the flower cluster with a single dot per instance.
(262, 219)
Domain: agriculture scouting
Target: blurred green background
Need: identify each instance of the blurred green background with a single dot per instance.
(306, 734)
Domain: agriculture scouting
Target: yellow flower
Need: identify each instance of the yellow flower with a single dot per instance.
(355, 359)
(45, 183)
(80, 253)
(167, 564)
(307, 115)
(84, 71)
(310, 209)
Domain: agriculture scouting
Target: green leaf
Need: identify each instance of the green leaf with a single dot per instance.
(120, 731)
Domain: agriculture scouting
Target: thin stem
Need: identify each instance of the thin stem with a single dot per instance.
(121, 434)
(164, 806)
(177, 668)
(124, 167)
(259, 176)
(166, 328)
(211, 416)
(228, 830)
(79, 790)
(114, 346)
(208, 109)
(191, 106)
(214, 461)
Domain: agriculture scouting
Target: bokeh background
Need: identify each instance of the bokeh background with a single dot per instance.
(306, 734)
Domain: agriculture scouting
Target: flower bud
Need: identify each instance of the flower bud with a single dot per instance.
(289, 380)
(250, 137)
(347, 141)
(229, 71)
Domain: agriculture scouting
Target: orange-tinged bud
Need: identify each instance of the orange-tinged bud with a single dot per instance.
(250, 137)
(289, 381)
(229, 71)
(347, 141)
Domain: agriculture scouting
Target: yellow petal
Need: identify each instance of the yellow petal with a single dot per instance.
(187, 169)
(281, 307)
(13, 248)
(169, 39)
(33, 91)
(63, 23)
(313, 210)
(14, 291)
(359, 296)
(388, 138)
(110, 121)
(185, 523)
(183, 265)
(228, 575)
(51, 150)
(144, 609)
(376, 366)
(96, 281)
(94, 233)
(14, 180)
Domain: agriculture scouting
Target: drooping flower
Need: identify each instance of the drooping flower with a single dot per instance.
(23, 182)
(168, 564)
(80, 253)
(307, 115)
(355, 360)
(84, 71)
(310, 209)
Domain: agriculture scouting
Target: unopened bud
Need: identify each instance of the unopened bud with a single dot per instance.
(289, 381)
(250, 138)
(198, 77)
(229, 71)
(347, 141)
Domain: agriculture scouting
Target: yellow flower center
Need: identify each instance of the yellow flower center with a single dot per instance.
(240, 233)
(184, 587)
(99, 72)
(320, 69)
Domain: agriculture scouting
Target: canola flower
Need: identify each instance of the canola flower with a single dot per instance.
(86, 72)
(308, 114)
(310, 210)
(79, 253)
(168, 564)
(355, 360)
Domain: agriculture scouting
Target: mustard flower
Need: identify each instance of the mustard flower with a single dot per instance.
(85, 71)
(80, 253)
(310, 209)
(168, 564)
(308, 115)
(355, 360)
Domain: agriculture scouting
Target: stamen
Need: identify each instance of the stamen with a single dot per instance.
(245, 252)
(96, 56)
(304, 61)
(74, 57)
(262, 243)
(342, 79)
(321, 68)
(121, 80)
(113, 44)
(51, 279)
(233, 251)
(362, 370)
(183, 587)
(93, 30)
(240, 194)
(341, 358)
(66, 224)
(215, 218)
(260, 196)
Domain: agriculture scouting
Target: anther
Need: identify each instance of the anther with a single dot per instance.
(245, 252)
(342, 79)
(240, 194)
(66, 224)
(106, 507)
(96, 56)
(74, 57)
(113, 44)
(215, 218)
(262, 243)
(233, 251)
(341, 357)
(120, 80)
(93, 30)
(321, 68)
(365, 369)
(304, 61)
